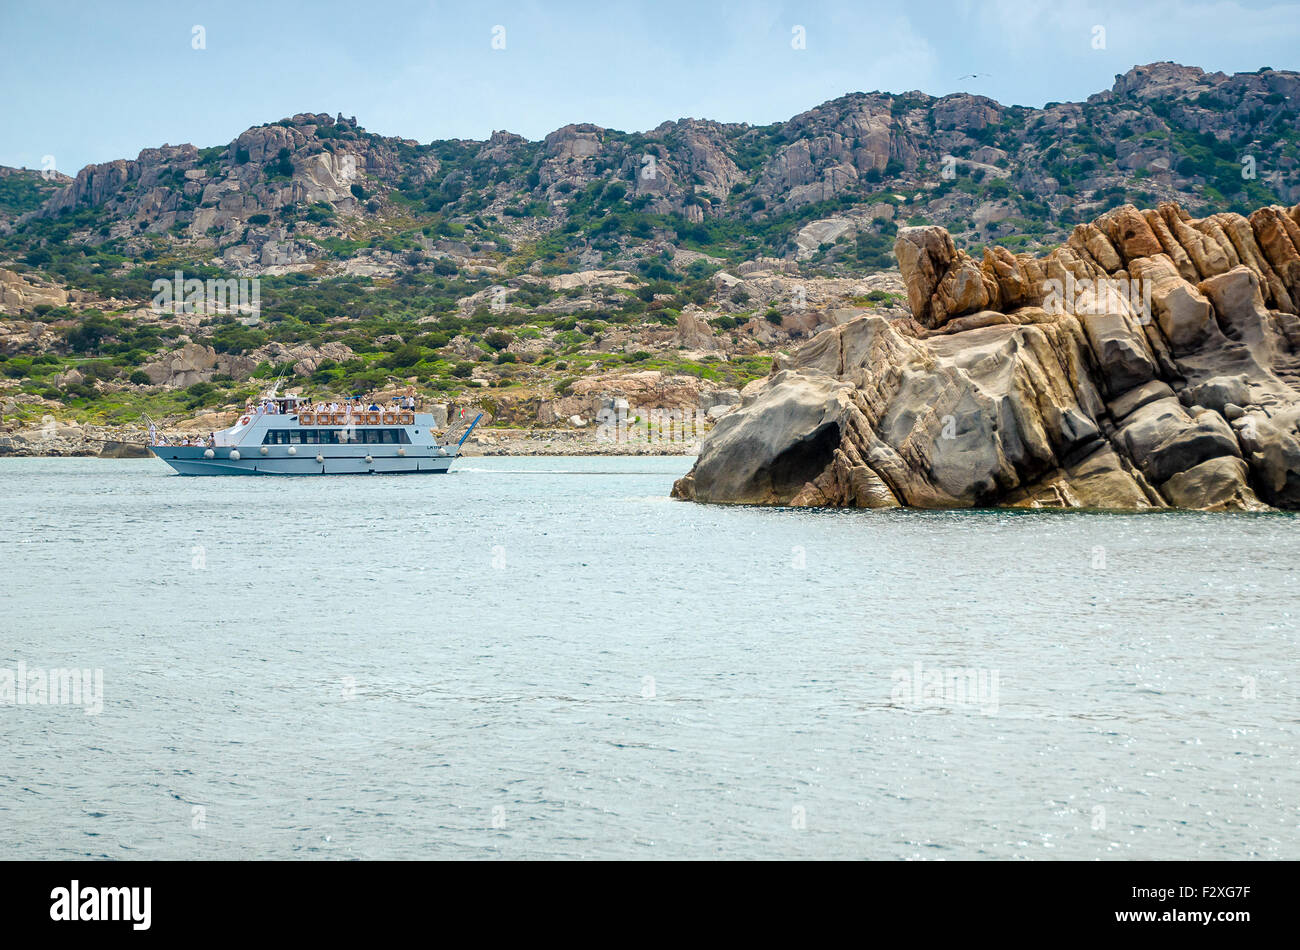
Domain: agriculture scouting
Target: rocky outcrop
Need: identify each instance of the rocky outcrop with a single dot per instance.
(53, 437)
(20, 293)
(22, 189)
(195, 363)
(693, 333)
(304, 357)
(1153, 361)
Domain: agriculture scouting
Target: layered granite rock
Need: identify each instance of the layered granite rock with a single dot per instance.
(1152, 361)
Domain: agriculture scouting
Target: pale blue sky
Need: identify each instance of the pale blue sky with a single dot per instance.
(88, 82)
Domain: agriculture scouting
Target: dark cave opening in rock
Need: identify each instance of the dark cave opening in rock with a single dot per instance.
(804, 460)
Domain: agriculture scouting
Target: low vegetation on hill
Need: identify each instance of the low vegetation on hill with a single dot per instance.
(504, 270)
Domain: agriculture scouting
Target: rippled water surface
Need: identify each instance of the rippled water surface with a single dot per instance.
(549, 658)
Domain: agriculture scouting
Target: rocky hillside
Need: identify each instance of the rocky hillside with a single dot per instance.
(23, 191)
(1153, 361)
(695, 249)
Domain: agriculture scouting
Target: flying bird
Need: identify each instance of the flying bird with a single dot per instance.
(972, 76)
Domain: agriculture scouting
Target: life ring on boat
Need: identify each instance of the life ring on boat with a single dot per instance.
(244, 421)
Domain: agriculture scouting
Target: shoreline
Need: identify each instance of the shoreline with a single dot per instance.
(561, 442)
(64, 441)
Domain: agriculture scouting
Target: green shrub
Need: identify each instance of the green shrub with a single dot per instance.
(408, 354)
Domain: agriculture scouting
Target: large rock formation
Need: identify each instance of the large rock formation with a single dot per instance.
(1152, 361)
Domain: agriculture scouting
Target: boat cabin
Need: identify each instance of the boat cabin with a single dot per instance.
(348, 435)
(286, 405)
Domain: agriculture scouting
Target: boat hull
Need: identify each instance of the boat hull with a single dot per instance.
(191, 460)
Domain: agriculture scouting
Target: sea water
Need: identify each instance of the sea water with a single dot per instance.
(549, 658)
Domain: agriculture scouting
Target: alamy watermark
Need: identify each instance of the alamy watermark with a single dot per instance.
(951, 686)
(75, 902)
(21, 686)
(1094, 297)
(234, 295)
(655, 426)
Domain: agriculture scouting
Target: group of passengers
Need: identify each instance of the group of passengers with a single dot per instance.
(349, 406)
(270, 407)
